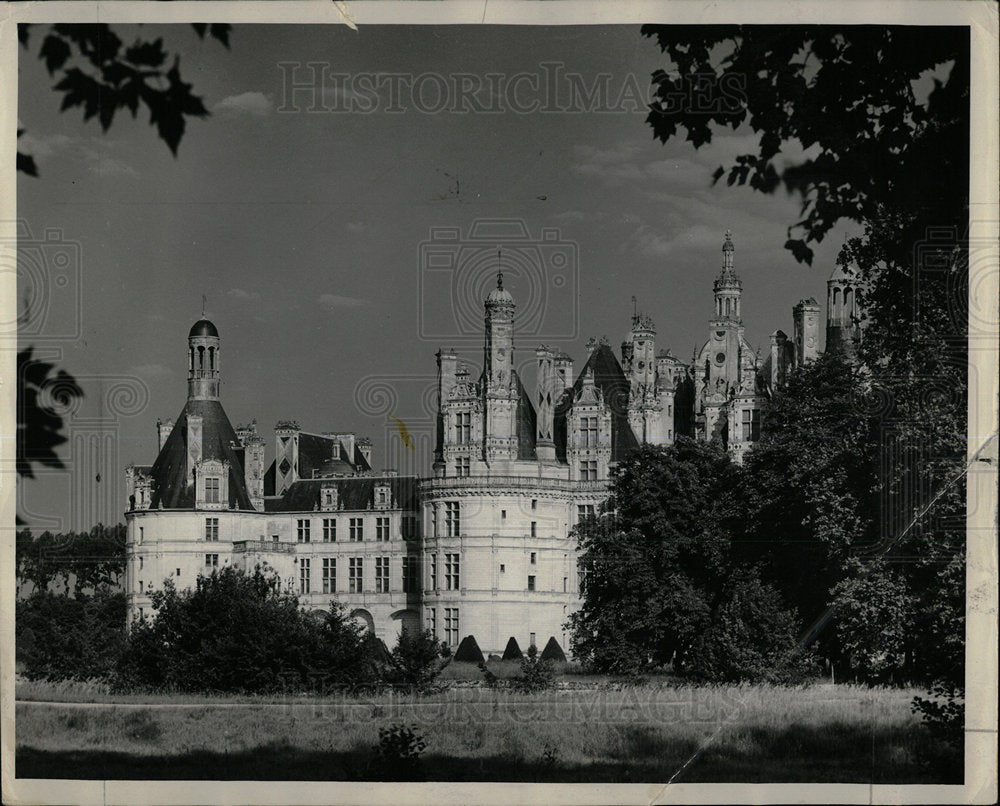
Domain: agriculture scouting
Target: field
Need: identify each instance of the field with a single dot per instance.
(590, 732)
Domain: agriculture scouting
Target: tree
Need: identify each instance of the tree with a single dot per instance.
(239, 632)
(100, 74)
(415, 660)
(652, 564)
(93, 562)
(61, 637)
(847, 95)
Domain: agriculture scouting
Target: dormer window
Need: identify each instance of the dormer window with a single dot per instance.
(212, 490)
(383, 496)
(210, 484)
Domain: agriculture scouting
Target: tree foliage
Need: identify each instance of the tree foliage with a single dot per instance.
(848, 95)
(86, 562)
(239, 632)
(415, 661)
(69, 638)
(98, 73)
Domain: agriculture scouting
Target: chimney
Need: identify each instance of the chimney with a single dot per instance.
(778, 353)
(447, 363)
(546, 399)
(163, 429)
(286, 455)
(193, 444)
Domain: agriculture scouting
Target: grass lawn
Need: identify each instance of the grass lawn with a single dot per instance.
(641, 733)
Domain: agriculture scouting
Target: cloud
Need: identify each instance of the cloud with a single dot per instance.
(152, 371)
(247, 103)
(242, 294)
(332, 301)
(43, 145)
(103, 165)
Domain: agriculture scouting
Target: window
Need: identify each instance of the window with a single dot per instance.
(211, 529)
(463, 427)
(451, 572)
(381, 528)
(462, 467)
(432, 621)
(531, 582)
(329, 530)
(329, 497)
(411, 575)
(751, 424)
(355, 575)
(178, 572)
(588, 431)
(534, 503)
(211, 561)
(451, 625)
(452, 520)
(303, 526)
(531, 639)
(140, 586)
(381, 575)
(211, 490)
(140, 563)
(565, 584)
(382, 496)
(275, 538)
(503, 514)
(304, 575)
(584, 511)
(588, 470)
(357, 530)
(534, 557)
(142, 615)
(141, 533)
(534, 529)
(329, 575)
(434, 572)
(503, 568)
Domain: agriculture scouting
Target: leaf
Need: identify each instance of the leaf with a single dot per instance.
(54, 52)
(799, 250)
(26, 164)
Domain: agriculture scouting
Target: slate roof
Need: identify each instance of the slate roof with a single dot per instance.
(218, 441)
(352, 493)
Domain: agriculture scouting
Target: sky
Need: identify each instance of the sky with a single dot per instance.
(314, 223)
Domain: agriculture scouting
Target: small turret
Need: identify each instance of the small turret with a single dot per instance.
(203, 361)
(805, 317)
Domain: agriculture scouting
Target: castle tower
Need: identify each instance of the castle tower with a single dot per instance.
(203, 361)
(805, 320)
(253, 463)
(726, 324)
(644, 400)
(841, 309)
(500, 434)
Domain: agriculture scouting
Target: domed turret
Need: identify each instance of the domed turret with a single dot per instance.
(203, 361)
(499, 295)
(728, 286)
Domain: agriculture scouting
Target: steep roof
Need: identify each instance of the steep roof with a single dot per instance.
(171, 489)
(352, 493)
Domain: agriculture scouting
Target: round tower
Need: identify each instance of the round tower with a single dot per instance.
(203, 361)
(841, 308)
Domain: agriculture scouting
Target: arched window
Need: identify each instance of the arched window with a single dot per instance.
(211, 359)
(201, 359)
(836, 298)
(848, 301)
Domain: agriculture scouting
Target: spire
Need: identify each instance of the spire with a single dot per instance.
(728, 251)
(499, 273)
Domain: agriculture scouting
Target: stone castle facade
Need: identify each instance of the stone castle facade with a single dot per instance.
(482, 546)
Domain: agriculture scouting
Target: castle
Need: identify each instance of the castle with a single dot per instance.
(482, 546)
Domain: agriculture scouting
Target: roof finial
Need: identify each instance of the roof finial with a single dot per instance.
(727, 251)
(635, 310)
(499, 273)
(204, 302)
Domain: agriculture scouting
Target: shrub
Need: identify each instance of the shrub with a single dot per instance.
(415, 660)
(553, 651)
(469, 652)
(69, 638)
(238, 632)
(536, 674)
(399, 749)
(512, 650)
